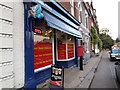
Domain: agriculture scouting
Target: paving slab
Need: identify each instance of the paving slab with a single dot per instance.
(86, 82)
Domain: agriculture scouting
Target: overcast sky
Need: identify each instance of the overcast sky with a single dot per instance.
(107, 15)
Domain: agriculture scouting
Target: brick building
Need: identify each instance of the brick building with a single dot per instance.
(93, 22)
(26, 56)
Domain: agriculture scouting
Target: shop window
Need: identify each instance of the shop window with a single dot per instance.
(42, 48)
(65, 46)
(61, 45)
(70, 46)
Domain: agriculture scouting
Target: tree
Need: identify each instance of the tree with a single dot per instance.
(107, 41)
(94, 37)
(100, 44)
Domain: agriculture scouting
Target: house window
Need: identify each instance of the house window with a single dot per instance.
(80, 11)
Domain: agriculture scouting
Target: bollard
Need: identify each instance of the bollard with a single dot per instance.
(81, 62)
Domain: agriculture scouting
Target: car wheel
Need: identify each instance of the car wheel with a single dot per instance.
(111, 59)
(116, 75)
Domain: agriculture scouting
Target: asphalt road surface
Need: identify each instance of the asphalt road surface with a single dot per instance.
(105, 74)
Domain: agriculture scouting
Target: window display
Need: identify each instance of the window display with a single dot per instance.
(42, 48)
(70, 45)
(65, 46)
(61, 41)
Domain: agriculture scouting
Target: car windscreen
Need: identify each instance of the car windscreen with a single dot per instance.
(116, 51)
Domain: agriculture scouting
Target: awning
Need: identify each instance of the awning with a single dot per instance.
(60, 25)
(58, 17)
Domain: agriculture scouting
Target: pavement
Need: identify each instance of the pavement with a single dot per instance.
(75, 78)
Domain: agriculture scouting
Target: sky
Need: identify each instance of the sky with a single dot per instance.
(107, 15)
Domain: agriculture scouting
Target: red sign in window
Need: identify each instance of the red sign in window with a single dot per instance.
(62, 51)
(70, 51)
(42, 55)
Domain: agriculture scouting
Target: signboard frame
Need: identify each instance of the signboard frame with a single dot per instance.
(53, 81)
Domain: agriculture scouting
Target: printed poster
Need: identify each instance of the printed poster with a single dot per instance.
(70, 51)
(62, 51)
(42, 55)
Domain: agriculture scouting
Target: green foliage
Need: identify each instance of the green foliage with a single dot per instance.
(96, 39)
(107, 41)
(94, 36)
(100, 44)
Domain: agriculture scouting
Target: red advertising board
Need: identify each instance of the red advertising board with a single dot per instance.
(42, 55)
(80, 51)
(62, 51)
(70, 51)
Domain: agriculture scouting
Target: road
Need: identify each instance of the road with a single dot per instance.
(105, 74)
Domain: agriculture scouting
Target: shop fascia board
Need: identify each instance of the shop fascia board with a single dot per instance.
(51, 10)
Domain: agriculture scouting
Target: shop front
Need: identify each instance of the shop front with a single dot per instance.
(66, 50)
(49, 40)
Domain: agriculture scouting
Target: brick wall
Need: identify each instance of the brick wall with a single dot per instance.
(66, 5)
(76, 10)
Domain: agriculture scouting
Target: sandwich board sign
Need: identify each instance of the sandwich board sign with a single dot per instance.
(57, 77)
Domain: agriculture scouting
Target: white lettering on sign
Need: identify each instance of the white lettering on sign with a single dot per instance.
(56, 77)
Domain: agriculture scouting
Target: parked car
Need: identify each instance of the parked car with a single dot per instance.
(117, 70)
(115, 54)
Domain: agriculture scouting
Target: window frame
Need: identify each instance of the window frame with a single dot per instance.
(53, 58)
(66, 49)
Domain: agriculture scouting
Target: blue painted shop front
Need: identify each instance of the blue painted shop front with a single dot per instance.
(67, 64)
(67, 24)
(71, 62)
